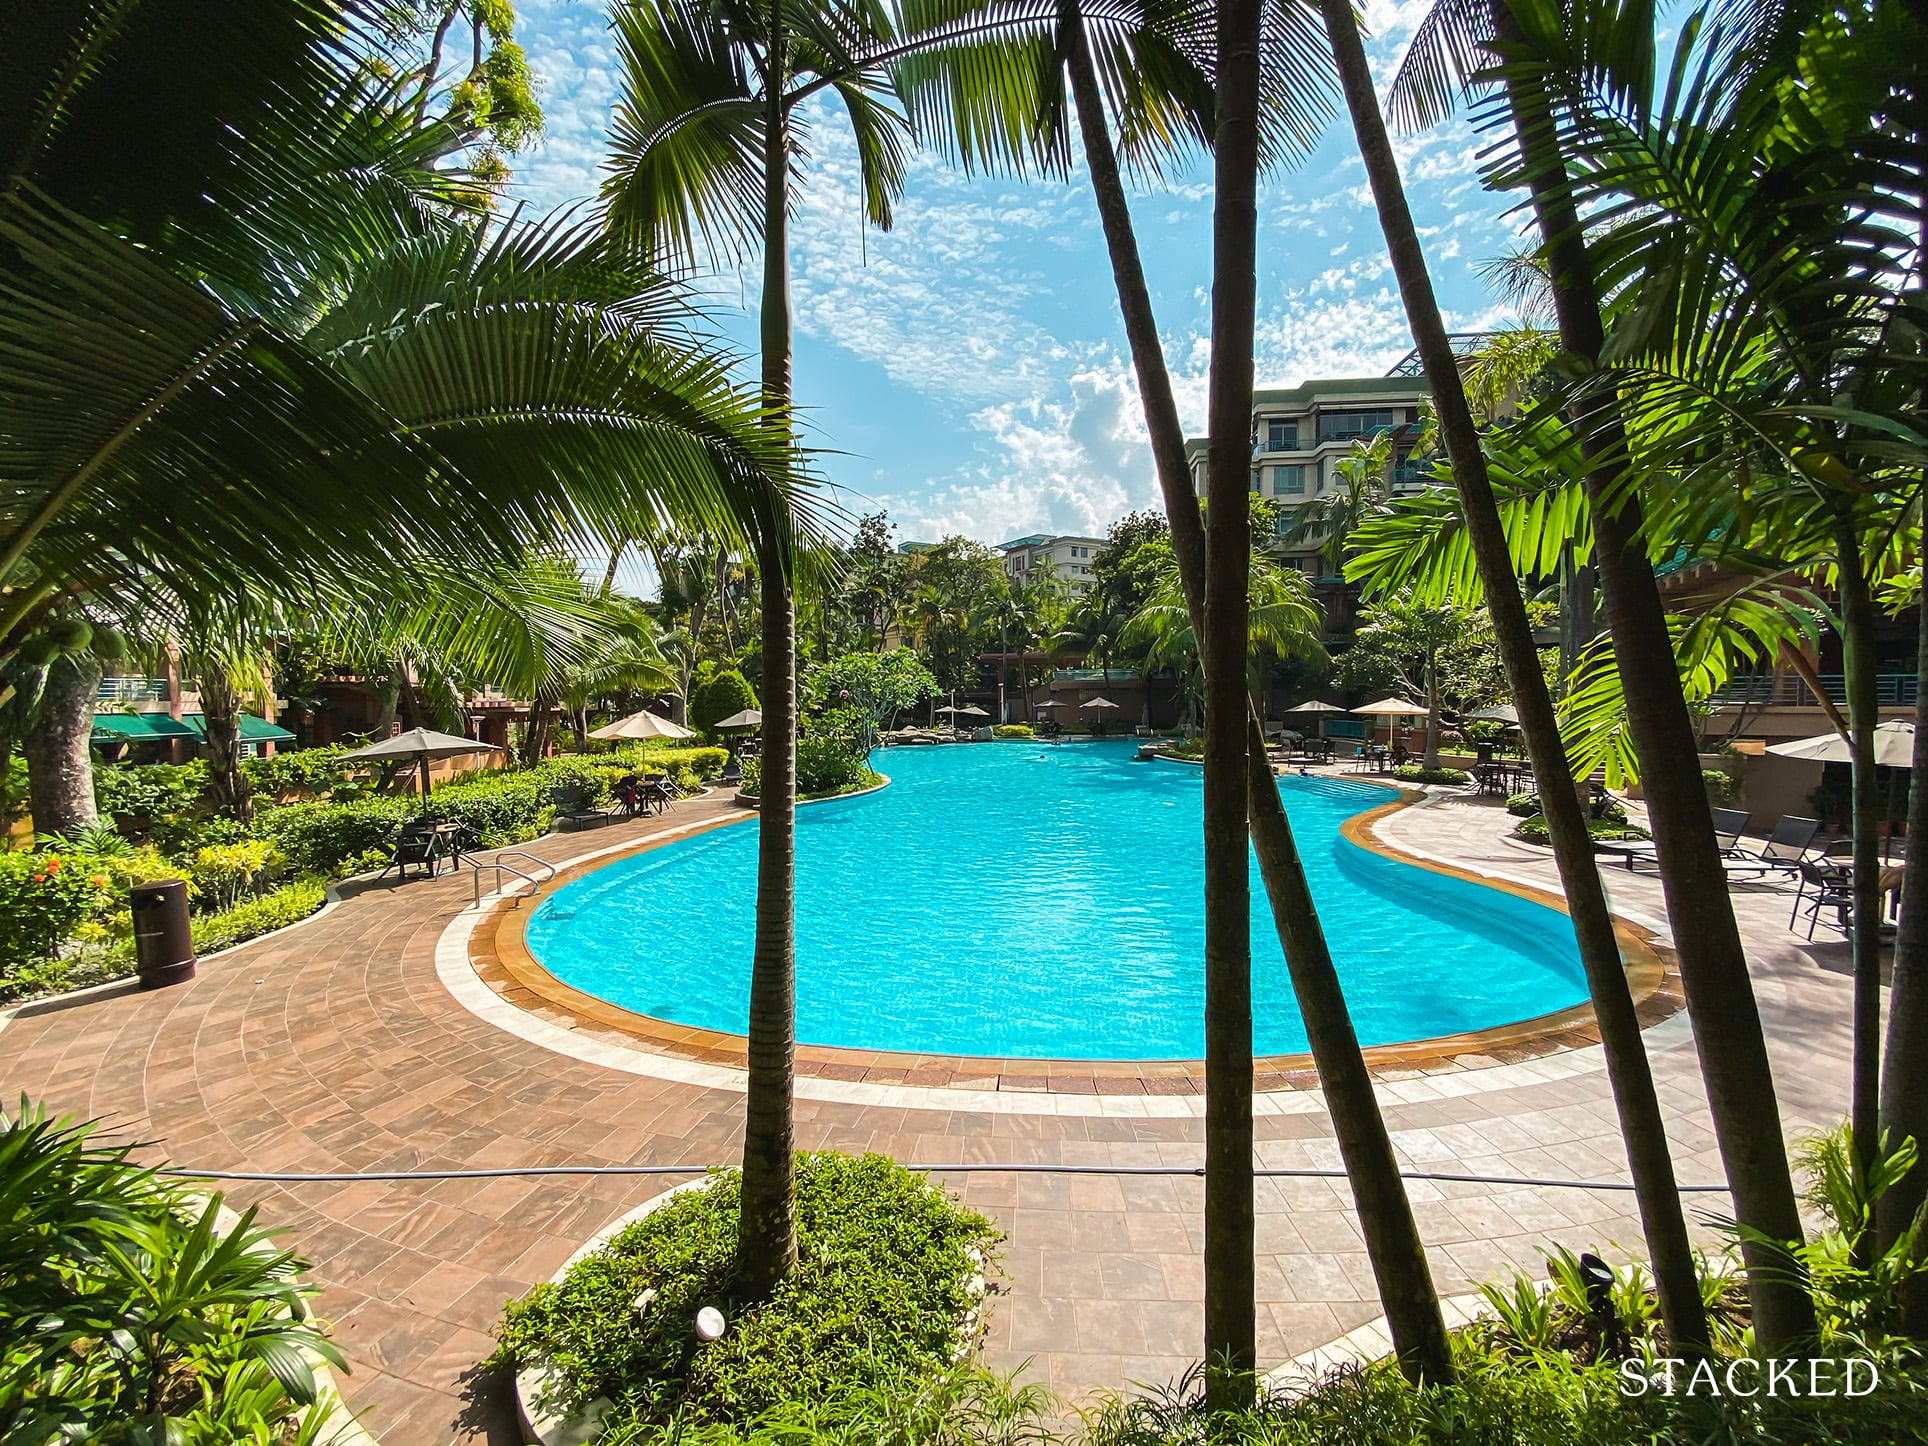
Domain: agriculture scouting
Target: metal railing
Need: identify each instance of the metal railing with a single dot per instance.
(1790, 690)
(502, 886)
(131, 690)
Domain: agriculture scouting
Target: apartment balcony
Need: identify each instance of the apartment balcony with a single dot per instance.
(1789, 690)
(113, 694)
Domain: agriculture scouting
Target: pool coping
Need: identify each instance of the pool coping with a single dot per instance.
(501, 961)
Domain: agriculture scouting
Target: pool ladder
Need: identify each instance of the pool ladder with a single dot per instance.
(502, 885)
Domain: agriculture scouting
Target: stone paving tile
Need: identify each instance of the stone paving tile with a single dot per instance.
(336, 1048)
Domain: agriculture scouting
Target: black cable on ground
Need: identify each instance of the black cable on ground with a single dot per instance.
(1264, 1173)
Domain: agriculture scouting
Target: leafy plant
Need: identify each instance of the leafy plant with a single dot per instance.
(1013, 730)
(1534, 829)
(723, 695)
(251, 918)
(1431, 775)
(128, 1312)
(224, 874)
(881, 1290)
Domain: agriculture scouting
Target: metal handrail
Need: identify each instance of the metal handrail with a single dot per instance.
(501, 868)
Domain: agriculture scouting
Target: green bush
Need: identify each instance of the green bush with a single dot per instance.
(882, 1285)
(1415, 774)
(721, 696)
(150, 799)
(705, 763)
(318, 838)
(1722, 786)
(129, 1314)
(251, 918)
(1523, 805)
(314, 772)
(827, 765)
(1534, 829)
(221, 875)
(752, 777)
(1013, 730)
(1603, 807)
(44, 899)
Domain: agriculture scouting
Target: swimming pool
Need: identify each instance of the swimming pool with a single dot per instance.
(1039, 901)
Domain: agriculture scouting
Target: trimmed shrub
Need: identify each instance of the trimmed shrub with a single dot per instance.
(44, 899)
(705, 763)
(1722, 786)
(721, 696)
(251, 918)
(309, 772)
(1534, 829)
(882, 1287)
(221, 875)
(1013, 730)
(1414, 774)
(317, 838)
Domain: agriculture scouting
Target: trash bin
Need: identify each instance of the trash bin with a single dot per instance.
(163, 941)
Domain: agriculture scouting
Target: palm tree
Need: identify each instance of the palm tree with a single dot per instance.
(1281, 618)
(312, 356)
(706, 141)
(1177, 47)
(1416, 628)
(1642, 1124)
(1361, 488)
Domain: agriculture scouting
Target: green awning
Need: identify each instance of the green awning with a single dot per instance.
(139, 728)
(253, 729)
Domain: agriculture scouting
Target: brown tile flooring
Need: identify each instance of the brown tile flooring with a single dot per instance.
(336, 1049)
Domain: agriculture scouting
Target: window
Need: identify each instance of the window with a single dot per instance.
(1410, 470)
(1281, 434)
(1288, 481)
(1344, 426)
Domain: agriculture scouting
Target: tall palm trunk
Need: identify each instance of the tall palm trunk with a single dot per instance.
(1904, 1076)
(1431, 757)
(1713, 965)
(221, 717)
(1385, 1213)
(1864, 708)
(60, 769)
(1629, 1071)
(1231, 1349)
(767, 1229)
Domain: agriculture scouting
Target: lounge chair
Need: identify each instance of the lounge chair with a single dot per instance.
(1782, 854)
(1729, 824)
(415, 848)
(572, 809)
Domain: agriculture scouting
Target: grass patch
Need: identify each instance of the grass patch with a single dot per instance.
(882, 1285)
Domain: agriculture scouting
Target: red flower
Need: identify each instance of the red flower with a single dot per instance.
(100, 881)
(53, 863)
(39, 878)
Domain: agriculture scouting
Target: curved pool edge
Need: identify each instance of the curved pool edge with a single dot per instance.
(501, 961)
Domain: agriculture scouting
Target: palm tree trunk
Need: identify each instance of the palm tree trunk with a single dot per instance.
(1864, 707)
(1904, 1077)
(1431, 758)
(767, 1228)
(221, 717)
(58, 748)
(1385, 1213)
(1629, 1071)
(535, 742)
(1713, 966)
(1231, 1301)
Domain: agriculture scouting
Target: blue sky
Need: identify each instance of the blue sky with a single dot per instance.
(967, 370)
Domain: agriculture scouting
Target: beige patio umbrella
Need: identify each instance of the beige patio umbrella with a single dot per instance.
(1392, 708)
(748, 718)
(1315, 706)
(1098, 703)
(642, 725)
(418, 746)
(1894, 746)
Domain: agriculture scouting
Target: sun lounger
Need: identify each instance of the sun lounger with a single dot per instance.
(1782, 854)
(1728, 826)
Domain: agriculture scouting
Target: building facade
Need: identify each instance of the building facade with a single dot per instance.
(1069, 558)
(1300, 434)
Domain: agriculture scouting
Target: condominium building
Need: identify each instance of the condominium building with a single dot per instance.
(1300, 434)
(1069, 558)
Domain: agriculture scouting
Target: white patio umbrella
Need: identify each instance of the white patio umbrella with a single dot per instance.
(1098, 703)
(642, 725)
(972, 711)
(748, 718)
(1894, 746)
(1498, 713)
(1315, 706)
(1047, 703)
(418, 746)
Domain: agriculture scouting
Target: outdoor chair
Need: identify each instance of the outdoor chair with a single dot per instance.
(658, 793)
(1833, 888)
(1729, 824)
(414, 848)
(572, 809)
(1782, 854)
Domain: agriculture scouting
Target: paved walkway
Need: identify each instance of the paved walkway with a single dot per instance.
(336, 1048)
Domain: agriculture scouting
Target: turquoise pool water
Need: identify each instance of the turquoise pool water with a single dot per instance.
(1045, 902)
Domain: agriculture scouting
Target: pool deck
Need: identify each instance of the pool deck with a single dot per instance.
(339, 1046)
